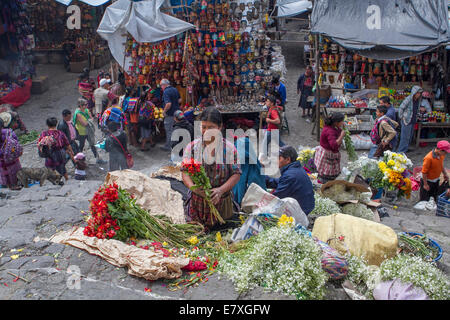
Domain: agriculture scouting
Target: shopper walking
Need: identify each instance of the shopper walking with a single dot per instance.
(10, 152)
(101, 98)
(57, 145)
(407, 114)
(171, 101)
(305, 84)
(383, 134)
(85, 129)
(66, 126)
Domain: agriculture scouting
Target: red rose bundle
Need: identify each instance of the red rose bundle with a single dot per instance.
(201, 180)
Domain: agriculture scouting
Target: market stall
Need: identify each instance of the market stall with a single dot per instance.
(59, 41)
(16, 43)
(214, 53)
(378, 56)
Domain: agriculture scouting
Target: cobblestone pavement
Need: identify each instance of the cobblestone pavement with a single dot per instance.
(30, 216)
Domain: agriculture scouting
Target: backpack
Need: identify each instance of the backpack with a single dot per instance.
(45, 145)
(11, 148)
(277, 109)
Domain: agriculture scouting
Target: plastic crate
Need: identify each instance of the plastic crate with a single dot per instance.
(443, 206)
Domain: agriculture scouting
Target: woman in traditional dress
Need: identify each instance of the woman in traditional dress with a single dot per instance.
(8, 166)
(223, 175)
(327, 157)
(57, 144)
(86, 87)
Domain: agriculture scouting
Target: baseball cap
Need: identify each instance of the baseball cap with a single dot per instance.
(288, 152)
(178, 114)
(444, 146)
(79, 156)
(103, 82)
(6, 117)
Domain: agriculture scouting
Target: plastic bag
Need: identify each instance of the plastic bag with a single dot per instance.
(426, 205)
(361, 141)
(256, 200)
(251, 227)
(397, 290)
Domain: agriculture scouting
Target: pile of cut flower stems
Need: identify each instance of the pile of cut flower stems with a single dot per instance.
(352, 156)
(135, 222)
(418, 245)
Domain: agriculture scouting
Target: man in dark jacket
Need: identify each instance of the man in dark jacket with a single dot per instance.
(181, 123)
(294, 182)
(67, 127)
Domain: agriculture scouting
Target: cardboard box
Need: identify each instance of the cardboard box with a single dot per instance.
(39, 85)
(325, 91)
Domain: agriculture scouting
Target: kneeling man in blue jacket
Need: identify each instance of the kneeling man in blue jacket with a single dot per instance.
(294, 182)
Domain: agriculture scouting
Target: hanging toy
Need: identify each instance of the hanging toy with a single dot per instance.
(207, 38)
(204, 5)
(199, 38)
(377, 68)
(222, 37)
(386, 70)
(214, 38)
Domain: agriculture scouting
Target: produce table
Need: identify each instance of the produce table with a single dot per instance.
(433, 125)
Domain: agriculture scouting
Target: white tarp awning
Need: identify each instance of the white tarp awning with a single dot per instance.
(289, 8)
(94, 3)
(143, 20)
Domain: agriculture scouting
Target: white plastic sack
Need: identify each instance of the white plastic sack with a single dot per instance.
(361, 141)
(256, 201)
(426, 205)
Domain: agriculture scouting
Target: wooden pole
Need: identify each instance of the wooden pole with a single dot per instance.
(317, 93)
(316, 40)
(447, 108)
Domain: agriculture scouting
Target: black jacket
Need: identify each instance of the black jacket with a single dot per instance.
(186, 125)
(62, 126)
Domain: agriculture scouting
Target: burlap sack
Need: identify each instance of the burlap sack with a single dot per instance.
(154, 195)
(373, 241)
(168, 171)
(143, 263)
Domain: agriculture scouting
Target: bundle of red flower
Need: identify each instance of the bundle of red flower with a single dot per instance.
(100, 224)
(201, 180)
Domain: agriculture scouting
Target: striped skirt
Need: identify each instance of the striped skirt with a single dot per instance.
(8, 172)
(328, 163)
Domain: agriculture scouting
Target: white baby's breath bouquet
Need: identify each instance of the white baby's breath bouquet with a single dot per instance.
(279, 259)
(324, 206)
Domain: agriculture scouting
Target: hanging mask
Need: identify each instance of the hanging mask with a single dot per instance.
(251, 76)
(244, 24)
(217, 18)
(207, 38)
(233, 6)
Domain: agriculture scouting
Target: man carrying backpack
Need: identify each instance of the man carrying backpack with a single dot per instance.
(383, 135)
